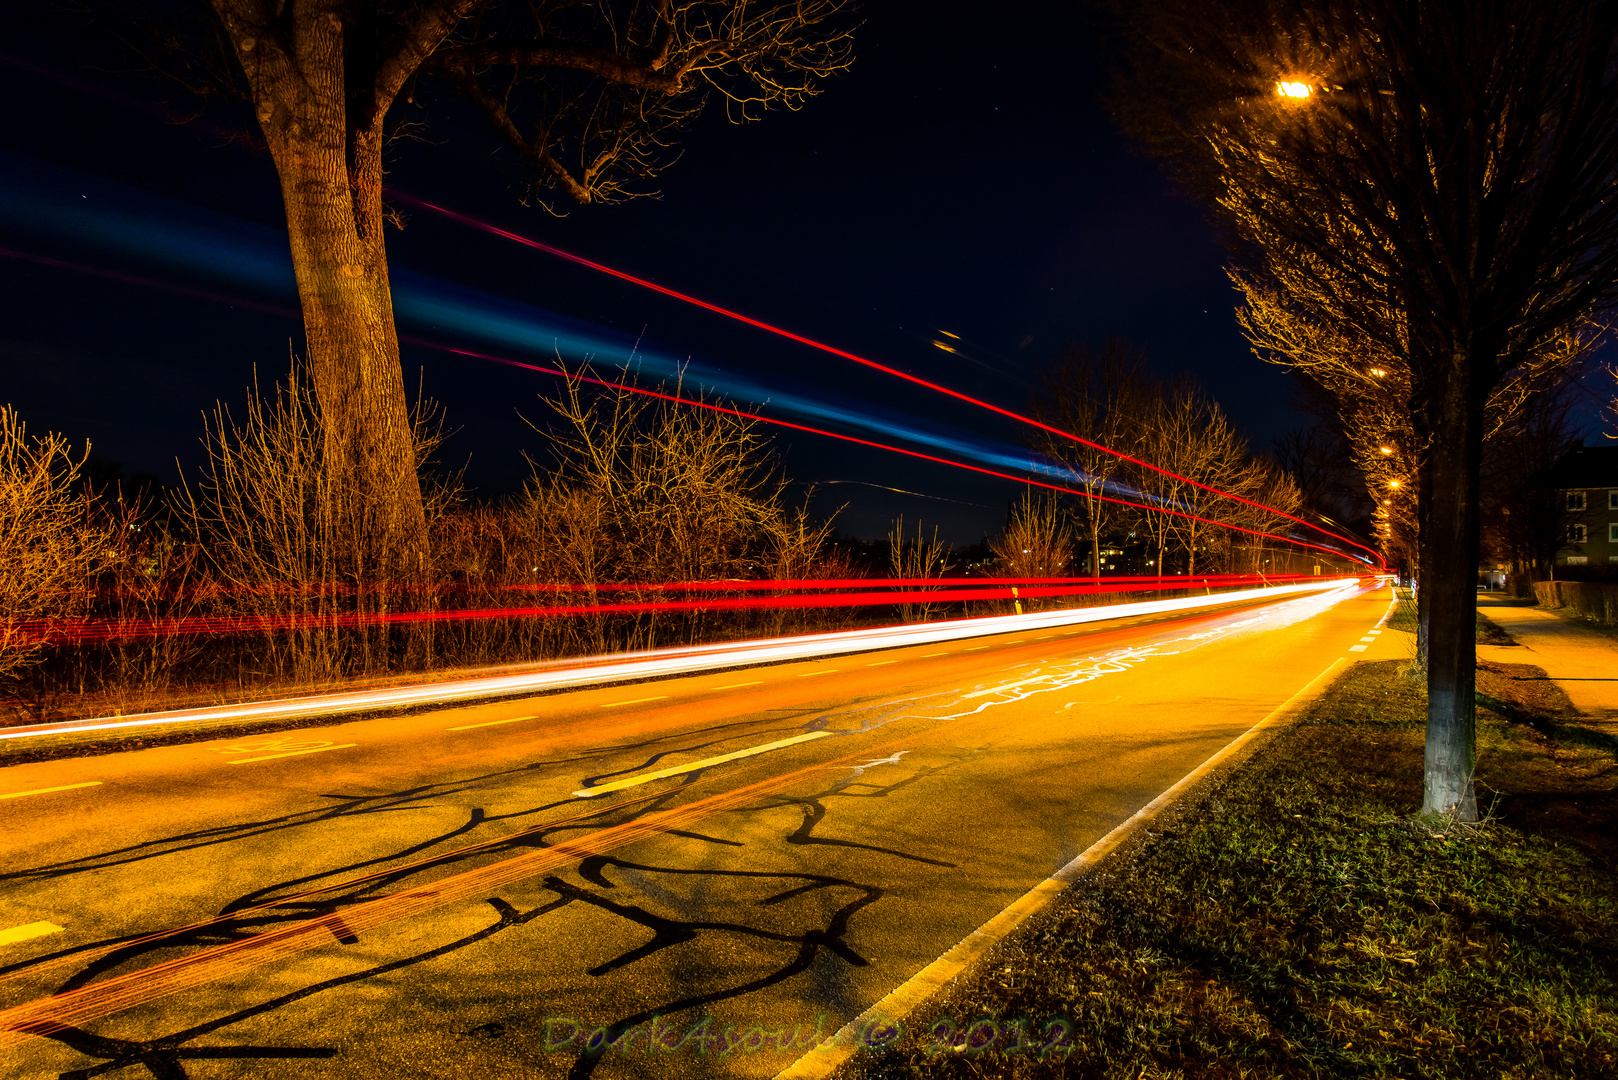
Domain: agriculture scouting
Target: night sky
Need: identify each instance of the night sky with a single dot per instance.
(964, 177)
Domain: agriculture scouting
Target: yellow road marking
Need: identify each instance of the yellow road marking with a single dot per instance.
(28, 931)
(676, 770)
(48, 790)
(879, 663)
(290, 753)
(635, 701)
(1044, 637)
(812, 674)
(491, 723)
(1019, 641)
(929, 656)
(975, 648)
(739, 685)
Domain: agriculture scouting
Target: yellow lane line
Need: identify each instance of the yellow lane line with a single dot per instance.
(48, 790)
(1019, 641)
(739, 685)
(929, 656)
(975, 648)
(812, 674)
(27, 932)
(879, 663)
(635, 701)
(491, 723)
(676, 770)
(289, 753)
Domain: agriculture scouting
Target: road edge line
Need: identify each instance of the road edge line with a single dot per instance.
(836, 1050)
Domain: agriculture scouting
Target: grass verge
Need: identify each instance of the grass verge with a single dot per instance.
(1298, 922)
(1404, 618)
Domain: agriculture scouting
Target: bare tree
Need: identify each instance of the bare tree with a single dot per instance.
(658, 492)
(1098, 397)
(1037, 542)
(1431, 184)
(589, 93)
(1185, 432)
(1525, 517)
(924, 557)
(49, 547)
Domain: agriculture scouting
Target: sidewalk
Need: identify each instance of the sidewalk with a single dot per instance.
(1582, 662)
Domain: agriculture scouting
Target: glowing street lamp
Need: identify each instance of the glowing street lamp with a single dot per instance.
(1295, 90)
(1386, 449)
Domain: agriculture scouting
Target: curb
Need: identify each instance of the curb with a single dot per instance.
(877, 1022)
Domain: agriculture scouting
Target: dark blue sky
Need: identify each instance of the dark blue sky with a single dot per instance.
(963, 177)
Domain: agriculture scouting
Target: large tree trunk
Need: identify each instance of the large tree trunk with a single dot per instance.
(1448, 545)
(337, 252)
(324, 126)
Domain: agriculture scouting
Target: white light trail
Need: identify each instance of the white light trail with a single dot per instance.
(661, 663)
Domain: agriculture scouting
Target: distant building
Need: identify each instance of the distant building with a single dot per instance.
(1586, 481)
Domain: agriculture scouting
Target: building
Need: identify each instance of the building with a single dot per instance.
(1586, 482)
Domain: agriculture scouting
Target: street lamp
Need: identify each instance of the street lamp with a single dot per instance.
(1295, 90)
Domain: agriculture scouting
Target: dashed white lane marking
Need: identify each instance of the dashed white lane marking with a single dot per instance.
(739, 685)
(48, 790)
(290, 753)
(28, 931)
(635, 701)
(1373, 633)
(676, 770)
(491, 723)
(1369, 640)
(1358, 648)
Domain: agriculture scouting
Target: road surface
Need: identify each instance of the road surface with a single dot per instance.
(683, 877)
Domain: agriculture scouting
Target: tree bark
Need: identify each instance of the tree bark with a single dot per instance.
(323, 122)
(1448, 544)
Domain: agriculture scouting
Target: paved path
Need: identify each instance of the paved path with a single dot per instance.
(1581, 661)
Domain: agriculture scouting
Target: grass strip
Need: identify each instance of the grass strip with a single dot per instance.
(1298, 922)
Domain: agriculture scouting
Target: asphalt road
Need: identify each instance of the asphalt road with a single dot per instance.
(433, 896)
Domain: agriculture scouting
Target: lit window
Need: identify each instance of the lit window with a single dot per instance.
(1575, 500)
(1577, 534)
(1612, 532)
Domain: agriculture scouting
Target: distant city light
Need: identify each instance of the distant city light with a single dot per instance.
(1379, 372)
(1293, 89)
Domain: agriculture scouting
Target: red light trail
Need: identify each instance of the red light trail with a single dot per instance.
(897, 450)
(834, 351)
(937, 591)
(429, 343)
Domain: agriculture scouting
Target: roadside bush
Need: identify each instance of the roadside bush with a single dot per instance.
(1593, 600)
(49, 547)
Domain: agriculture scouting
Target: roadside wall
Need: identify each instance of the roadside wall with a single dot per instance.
(1590, 599)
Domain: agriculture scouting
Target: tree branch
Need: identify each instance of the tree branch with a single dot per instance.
(534, 152)
(421, 40)
(607, 65)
